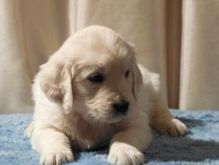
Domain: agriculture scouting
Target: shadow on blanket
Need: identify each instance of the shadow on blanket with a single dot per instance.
(182, 149)
(187, 148)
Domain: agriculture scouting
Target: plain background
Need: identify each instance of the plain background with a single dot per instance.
(178, 39)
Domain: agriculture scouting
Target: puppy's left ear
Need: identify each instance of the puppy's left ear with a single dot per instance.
(137, 80)
(55, 80)
(68, 93)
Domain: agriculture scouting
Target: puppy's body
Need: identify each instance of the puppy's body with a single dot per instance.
(90, 94)
(83, 135)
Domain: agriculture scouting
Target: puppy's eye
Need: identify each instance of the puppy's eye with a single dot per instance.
(127, 73)
(96, 78)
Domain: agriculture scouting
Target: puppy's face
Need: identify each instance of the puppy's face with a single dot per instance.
(102, 89)
(105, 78)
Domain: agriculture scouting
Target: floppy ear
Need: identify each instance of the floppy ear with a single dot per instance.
(68, 92)
(137, 80)
(55, 80)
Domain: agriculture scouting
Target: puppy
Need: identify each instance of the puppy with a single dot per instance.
(92, 93)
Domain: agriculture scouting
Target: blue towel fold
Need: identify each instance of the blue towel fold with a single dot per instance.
(200, 146)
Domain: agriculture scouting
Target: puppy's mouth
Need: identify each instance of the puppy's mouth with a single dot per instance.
(115, 116)
(110, 113)
(110, 117)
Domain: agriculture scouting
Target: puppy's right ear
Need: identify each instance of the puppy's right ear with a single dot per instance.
(55, 81)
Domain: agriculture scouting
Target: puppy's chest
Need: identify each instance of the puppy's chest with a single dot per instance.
(84, 136)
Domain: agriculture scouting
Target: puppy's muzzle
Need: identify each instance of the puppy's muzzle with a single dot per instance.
(121, 107)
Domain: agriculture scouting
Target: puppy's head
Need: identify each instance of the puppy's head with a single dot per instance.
(94, 73)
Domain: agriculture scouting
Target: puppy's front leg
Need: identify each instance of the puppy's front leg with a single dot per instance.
(127, 146)
(53, 146)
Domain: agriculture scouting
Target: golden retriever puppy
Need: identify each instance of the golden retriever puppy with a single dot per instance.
(92, 93)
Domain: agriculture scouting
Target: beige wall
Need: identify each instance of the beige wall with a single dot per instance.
(178, 39)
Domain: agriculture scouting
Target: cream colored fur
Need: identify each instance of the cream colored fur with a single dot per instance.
(72, 113)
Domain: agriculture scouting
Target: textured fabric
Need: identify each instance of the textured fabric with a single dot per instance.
(200, 146)
(200, 55)
(30, 31)
(186, 55)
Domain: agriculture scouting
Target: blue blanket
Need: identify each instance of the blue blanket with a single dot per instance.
(200, 146)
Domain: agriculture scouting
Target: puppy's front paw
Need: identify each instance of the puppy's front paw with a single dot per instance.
(56, 157)
(173, 127)
(124, 154)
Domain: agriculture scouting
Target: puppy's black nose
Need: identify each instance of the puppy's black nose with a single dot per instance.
(121, 106)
